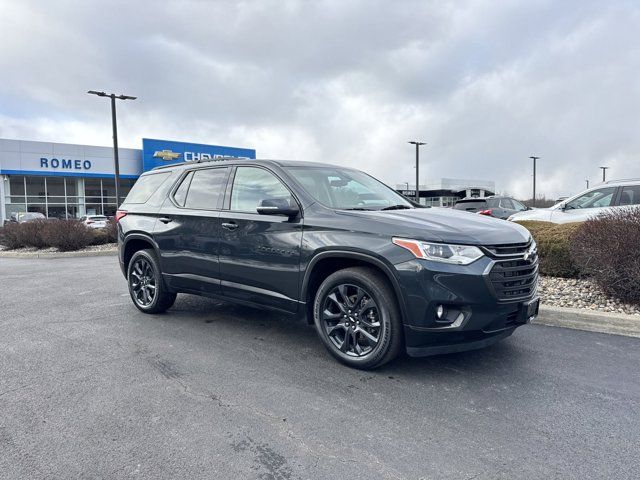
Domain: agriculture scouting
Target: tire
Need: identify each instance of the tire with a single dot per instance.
(146, 287)
(372, 303)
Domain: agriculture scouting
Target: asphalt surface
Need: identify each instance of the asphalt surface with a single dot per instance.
(91, 388)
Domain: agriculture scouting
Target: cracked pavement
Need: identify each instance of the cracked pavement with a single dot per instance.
(92, 388)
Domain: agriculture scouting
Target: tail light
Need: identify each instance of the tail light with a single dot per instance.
(120, 214)
(89, 222)
(486, 212)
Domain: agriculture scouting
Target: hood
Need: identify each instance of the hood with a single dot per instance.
(543, 214)
(441, 225)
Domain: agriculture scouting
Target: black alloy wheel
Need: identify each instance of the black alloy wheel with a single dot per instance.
(351, 319)
(147, 290)
(142, 282)
(357, 317)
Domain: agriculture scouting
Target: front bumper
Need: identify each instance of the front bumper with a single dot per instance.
(482, 318)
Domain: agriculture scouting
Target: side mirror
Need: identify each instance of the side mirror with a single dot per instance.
(277, 206)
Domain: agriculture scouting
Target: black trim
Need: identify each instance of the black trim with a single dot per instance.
(455, 347)
(357, 256)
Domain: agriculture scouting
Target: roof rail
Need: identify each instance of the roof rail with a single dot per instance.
(193, 162)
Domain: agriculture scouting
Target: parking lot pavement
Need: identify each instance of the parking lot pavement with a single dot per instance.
(91, 388)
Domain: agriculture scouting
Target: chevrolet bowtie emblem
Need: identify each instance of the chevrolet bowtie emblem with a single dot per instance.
(166, 155)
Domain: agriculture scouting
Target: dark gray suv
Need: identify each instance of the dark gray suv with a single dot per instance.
(494, 206)
(374, 272)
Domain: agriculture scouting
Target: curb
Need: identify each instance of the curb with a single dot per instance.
(95, 253)
(590, 321)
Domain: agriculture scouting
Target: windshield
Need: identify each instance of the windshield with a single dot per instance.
(347, 189)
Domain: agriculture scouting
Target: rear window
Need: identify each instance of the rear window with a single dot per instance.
(145, 187)
(99, 218)
(471, 206)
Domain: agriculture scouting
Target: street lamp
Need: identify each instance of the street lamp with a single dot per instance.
(604, 173)
(587, 183)
(116, 160)
(534, 179)
(417, 144)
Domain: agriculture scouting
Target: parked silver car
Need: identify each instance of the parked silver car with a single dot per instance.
(587, 204)
(95, 221)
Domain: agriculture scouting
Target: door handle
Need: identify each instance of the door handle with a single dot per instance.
(165, 219)
(230, 225)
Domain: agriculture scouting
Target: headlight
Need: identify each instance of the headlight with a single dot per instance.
(441, 252)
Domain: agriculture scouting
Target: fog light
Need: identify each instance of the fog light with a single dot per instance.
(440, 311)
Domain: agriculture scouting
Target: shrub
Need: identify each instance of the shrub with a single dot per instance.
(109, 234)
(607, 249)
(12, 236)
(554, 247)
(67, 235)
(29, 234)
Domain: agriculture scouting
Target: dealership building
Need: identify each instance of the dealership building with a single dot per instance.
(447, 191)
(62, 180)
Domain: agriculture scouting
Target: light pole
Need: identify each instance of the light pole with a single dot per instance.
(116, 160)
(534, 179)
(604, 173)
(417, 144)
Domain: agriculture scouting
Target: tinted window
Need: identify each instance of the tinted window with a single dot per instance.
(630, 195)
(252, 185)
(506, 203)
(471, 206)
(206, 188)
(181, 193)
(145, 187)
(518, 206)
(593, 199)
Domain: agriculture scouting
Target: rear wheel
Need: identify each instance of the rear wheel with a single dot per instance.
(146, 287)
(356, 316)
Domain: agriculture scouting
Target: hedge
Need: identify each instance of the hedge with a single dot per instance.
(65, 235)
(554, 247)
(607, 249)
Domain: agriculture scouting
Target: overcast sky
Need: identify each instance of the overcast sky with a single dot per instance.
(485, 83)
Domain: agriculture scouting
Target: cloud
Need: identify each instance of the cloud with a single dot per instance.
(486, 84)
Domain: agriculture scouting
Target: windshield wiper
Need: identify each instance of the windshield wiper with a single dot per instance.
(358, 208)
(396, 207)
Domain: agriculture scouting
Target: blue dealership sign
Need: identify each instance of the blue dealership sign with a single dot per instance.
(165, 152)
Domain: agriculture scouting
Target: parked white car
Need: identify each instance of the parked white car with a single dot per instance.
(587, 204)
(95, 221)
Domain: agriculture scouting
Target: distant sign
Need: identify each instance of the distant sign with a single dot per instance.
(165, 152)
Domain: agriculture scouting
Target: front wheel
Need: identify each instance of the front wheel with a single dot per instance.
(146, 287)
(356, 316)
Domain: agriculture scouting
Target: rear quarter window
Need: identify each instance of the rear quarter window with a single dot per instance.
(146, 186)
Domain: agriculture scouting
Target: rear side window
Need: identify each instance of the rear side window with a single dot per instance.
(145, 187)
(206, 188)
(630, 195)
(506, 203)
(181, 193)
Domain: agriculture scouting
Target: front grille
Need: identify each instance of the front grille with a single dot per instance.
(512, 249)
(514, 279)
